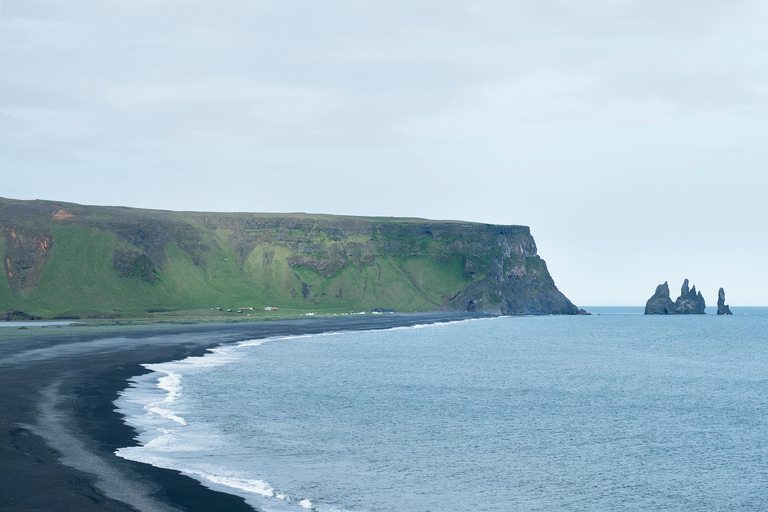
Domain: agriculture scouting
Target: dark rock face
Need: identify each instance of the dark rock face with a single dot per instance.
(722, 307)
(689, 302)
(660, 303)
(516, 282)
(584, 312)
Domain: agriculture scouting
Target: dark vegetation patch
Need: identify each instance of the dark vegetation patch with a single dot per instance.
(152, 232)
(16, 316)
(98, 315)
(77, 314)
(326, 267)
(159, 310)
(134, 265)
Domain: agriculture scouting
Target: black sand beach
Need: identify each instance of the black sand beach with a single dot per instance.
(59, 429)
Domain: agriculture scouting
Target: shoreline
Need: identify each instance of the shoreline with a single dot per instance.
(60, 426)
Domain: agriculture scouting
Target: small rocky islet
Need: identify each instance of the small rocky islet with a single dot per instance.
(722, 307)
(690, 302)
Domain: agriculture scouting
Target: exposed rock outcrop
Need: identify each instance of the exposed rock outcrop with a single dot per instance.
(516, 282)
(722, 307)
(690, 302)
(660, 303)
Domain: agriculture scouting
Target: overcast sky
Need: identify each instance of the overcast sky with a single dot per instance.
(629, 134)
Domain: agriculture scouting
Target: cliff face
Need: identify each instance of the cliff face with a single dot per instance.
(689, 302)
(517, 281)
(72, 260)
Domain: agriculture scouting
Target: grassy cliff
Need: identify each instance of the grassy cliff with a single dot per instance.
(69, 260)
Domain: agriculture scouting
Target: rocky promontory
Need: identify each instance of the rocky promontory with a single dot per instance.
(73, 261)
(722, 307)
(690, 302)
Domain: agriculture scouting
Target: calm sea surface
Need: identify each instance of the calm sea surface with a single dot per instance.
(616, 411)
(34, 324)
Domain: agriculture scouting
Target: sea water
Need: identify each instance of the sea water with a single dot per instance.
(34, 324)
(617, 411)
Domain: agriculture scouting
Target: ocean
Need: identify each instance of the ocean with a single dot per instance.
(611, 412)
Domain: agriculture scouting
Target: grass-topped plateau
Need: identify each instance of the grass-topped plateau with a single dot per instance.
(64, 260)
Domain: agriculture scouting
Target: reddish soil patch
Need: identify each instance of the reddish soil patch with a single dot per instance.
(62, 215)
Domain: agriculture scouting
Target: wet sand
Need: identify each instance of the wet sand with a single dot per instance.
(59, 428)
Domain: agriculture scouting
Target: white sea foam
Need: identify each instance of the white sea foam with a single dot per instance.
(257, 343)
(159, 391)
(148, 405)
(436, 324)
(172, 384)
(165, 413)
(259, 487)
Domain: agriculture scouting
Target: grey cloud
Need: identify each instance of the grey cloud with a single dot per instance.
(587, 119)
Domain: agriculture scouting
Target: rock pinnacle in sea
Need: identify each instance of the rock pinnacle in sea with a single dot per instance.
(722, 307)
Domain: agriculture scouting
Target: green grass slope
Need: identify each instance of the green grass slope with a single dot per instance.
(69, 260)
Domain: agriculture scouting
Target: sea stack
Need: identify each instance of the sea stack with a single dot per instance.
(690, 302)
(660, 303)
(722, 307)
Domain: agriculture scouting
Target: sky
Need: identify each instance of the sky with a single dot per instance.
(628, 134)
